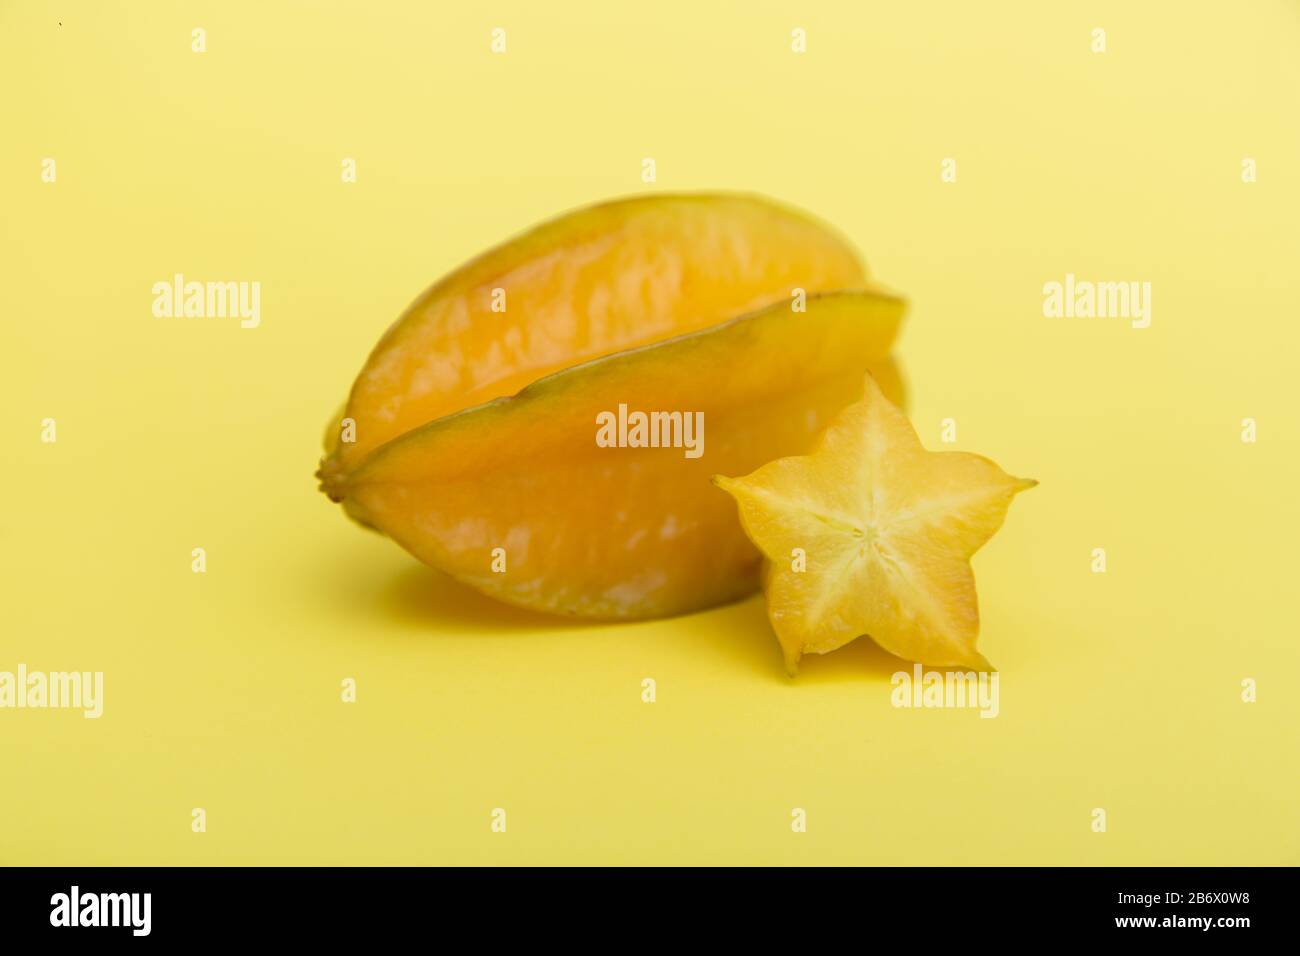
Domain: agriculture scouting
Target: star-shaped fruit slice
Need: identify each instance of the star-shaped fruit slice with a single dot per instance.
(872, 534)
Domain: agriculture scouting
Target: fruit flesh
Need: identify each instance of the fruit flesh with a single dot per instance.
(886, 530)
(622, 532)
(591, 283)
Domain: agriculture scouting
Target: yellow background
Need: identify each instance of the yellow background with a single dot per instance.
(1119, 690)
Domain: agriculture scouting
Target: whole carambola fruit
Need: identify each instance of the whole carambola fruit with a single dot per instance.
(673, 304)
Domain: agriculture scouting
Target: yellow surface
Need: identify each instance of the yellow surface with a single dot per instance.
(222, 690)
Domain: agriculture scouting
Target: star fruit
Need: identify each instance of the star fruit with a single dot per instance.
(521, 499)
(472, 436)
(872, 534)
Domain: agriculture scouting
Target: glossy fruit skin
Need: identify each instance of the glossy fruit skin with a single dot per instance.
(623, 532)
(593, 282)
